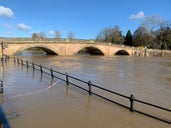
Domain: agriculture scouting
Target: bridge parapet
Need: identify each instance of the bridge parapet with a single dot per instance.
(46, 40)
(62, 40)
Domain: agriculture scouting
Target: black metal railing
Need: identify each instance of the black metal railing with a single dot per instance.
(1, 86)
(96, 90)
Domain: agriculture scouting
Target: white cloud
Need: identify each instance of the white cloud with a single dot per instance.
(6, 12)
(139, 15)
(24, 27)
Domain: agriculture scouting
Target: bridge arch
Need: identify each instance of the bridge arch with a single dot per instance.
(122, 52)
(47, 50)
(90, 50)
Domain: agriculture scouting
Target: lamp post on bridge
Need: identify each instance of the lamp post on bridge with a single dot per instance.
(1, 55)
(2, 50)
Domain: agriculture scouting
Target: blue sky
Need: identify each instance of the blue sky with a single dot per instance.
(85, 18)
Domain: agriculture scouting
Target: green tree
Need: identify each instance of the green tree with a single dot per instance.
(128, 38)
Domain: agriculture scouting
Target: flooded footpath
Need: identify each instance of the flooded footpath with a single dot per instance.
(32, 100)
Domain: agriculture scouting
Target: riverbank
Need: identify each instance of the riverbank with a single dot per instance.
(64, 106)
(141, 51)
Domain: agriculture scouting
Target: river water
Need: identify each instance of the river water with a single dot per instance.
(29, 102)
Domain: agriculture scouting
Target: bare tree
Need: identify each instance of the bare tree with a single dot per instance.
(42, 35)
(110, 34)
(70, 35)
(57, 35)
(105, 35)
(117, 36)
(140, 37)
(164, 35)
(38, 36)
(158, 31)
(35, 36)
(152, 23)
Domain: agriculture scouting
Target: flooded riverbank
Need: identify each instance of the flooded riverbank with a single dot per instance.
(62, 106)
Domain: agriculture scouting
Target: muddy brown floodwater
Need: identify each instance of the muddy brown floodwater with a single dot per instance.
(30, 103)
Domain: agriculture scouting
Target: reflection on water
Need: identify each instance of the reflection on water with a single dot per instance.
(31, 52)
(148, 79)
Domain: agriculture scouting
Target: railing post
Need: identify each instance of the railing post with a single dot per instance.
(8, 57)
(14, 60)
(33, 65)
(89, 86)
(132, 98)
(27, 64)
(41, 70)
(18, 61)
(51, 71)
(66, 79)
(22, 62)
(1, 86)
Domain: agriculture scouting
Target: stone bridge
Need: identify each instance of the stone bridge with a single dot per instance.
(68, 48)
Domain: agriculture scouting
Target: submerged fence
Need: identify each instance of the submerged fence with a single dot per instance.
(106, 94)
(4, 123)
